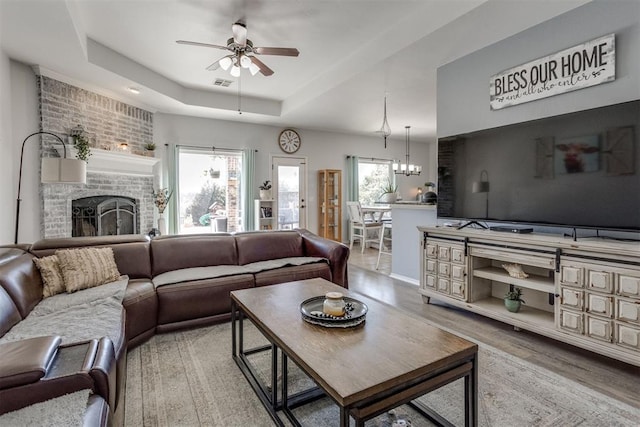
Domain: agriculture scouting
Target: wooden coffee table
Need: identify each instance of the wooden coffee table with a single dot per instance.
(388, 361)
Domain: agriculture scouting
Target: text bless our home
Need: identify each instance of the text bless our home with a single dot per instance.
(578, 67)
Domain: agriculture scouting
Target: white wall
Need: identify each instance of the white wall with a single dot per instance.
(323, 150)
(7, 213)
(463, 85)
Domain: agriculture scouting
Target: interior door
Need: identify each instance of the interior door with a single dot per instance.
(290, 188)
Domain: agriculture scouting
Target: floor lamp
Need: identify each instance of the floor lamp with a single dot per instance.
(53, 170)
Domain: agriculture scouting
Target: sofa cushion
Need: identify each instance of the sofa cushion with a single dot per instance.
(293, 273)
(87, 267)
(22, 281)
(52, 280)
(177, 252)
(141, 304)
(197, 273)
(9, 314)
(262, 246)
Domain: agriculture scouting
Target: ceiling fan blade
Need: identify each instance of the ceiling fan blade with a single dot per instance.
(239, 34)
(262, 66)
(282, 51)
(201, 44)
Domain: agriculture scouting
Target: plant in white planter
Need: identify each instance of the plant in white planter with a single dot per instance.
(389, 193)
(513, 300)
(265, 190)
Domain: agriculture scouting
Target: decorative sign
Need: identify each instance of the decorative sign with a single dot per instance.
(578, 67)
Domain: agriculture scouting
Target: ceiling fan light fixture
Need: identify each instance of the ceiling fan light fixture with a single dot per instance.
(225, 63)
(245, 61)
(235, 71)
(254, 69)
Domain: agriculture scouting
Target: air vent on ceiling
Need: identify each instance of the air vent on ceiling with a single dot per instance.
(222, 82)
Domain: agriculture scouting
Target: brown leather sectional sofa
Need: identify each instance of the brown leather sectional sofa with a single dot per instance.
(175, 282)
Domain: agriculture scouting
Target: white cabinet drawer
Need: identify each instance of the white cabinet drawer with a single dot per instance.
(572, 298)
(571, 276)
(627, 336)
(600, 304)
(628, 310)
(571, 321)
(628, 286)
(601, 281)
(457, 272)
(600, 329)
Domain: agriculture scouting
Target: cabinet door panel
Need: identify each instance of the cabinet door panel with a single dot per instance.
(627, 336)
(431, 266)
(600, 304)
(571, 321)
(457, 255)
(571, 276)
(444, 269)
(628, 311)
(629, 286)
(572, 298)
(599, 328)
(600, 281)
(443, 285)
(430, 281)
(444, 253)
(432, 250)
(458, 289)
(457, 272)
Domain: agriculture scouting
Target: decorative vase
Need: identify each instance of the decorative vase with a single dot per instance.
(265, 194)
(389, 198)
(162, 225)
(512, 305)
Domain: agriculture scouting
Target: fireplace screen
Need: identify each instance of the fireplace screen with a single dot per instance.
(104, 216)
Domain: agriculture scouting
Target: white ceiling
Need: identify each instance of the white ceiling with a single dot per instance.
(352, 53)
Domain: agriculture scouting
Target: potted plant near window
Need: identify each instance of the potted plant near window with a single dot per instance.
(265, 190)
(513, 300)
(389, 193)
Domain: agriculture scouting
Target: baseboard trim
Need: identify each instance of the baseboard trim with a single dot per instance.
(409, 280)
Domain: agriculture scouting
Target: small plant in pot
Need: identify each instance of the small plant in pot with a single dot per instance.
(389, 193)
(513, 300)
(265, 190)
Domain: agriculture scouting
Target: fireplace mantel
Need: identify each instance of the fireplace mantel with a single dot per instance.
(114, 162)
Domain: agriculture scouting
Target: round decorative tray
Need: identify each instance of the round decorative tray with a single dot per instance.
(355, 313)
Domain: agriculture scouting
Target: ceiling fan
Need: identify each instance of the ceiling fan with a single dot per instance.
(243, 53)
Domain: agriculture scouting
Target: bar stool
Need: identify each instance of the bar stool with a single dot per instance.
(384, 247)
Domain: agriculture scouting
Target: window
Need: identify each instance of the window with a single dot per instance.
(373, 176)
(209, 190)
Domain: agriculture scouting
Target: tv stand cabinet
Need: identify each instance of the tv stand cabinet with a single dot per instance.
(585, 293)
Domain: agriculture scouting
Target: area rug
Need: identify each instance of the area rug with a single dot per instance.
(189, 379)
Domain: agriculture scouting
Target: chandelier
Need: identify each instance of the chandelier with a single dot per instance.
(385, 129)
(406, 168)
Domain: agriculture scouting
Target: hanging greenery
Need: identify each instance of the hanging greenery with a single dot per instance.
(81, 144)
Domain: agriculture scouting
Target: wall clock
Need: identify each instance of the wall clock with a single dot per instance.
(289, 141)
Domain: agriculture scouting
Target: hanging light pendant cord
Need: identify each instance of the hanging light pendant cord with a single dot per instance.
(239, 95)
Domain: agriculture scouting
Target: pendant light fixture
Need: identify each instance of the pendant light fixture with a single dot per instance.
(385, 129)
(407, 168)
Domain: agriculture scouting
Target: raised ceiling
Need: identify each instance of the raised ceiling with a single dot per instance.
(352, 53)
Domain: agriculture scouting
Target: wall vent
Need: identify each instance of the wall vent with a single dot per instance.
(222, 82)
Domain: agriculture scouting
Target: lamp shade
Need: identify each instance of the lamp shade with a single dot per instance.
(480, 187)
(60, 170)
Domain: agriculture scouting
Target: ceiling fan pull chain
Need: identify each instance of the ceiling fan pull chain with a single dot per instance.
(239, 96)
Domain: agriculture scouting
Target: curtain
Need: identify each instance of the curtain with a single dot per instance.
(171, 156)
(352, 179)
(248, 188)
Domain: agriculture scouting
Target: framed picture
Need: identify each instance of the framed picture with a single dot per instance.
(577, 155)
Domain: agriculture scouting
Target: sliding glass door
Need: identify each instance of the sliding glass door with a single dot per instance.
(209, 195)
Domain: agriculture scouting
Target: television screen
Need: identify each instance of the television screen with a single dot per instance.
(579, 170)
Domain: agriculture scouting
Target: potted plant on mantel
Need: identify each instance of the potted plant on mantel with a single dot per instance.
(265, 190)
(150, 149)
(81, 144)
(389, 193)
(513, 300)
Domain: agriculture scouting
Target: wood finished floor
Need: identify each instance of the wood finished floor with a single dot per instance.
(605, 375)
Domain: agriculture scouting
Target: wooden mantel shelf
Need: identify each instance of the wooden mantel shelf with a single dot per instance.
(114, 162)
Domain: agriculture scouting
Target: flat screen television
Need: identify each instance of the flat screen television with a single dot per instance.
(579, 170)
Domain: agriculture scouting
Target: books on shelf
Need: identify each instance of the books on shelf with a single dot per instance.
(266, 212)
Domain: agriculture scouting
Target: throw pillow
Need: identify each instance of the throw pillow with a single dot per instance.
(87, 267)
(52, 280)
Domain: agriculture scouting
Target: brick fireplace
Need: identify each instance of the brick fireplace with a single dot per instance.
(111, 172)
